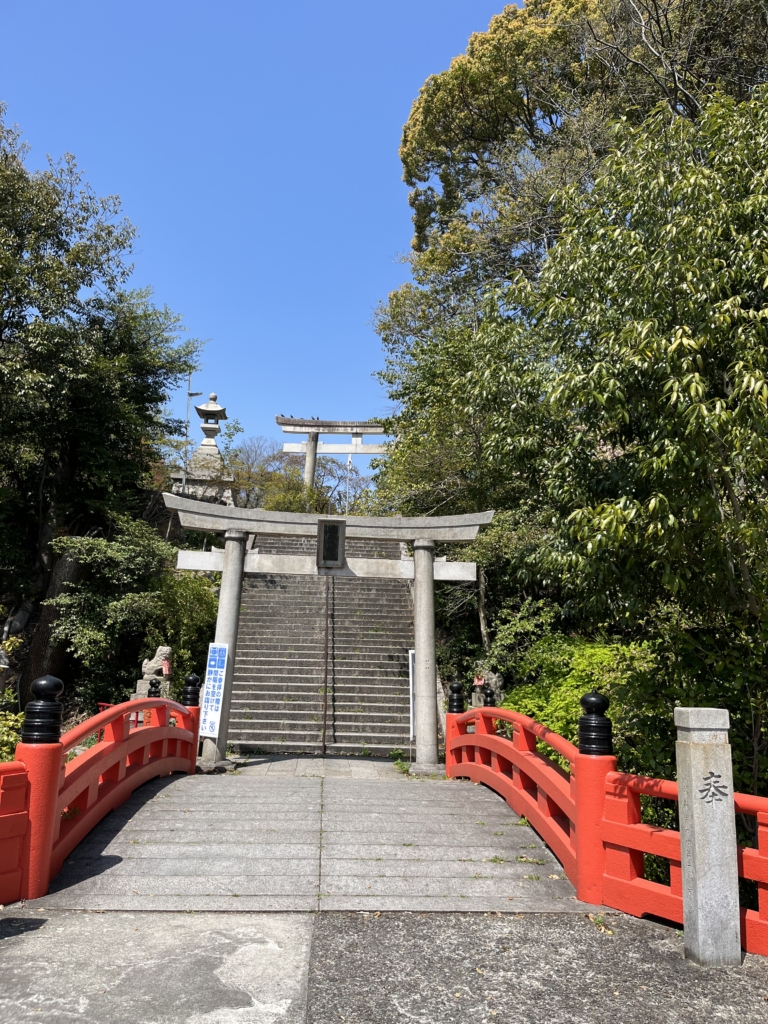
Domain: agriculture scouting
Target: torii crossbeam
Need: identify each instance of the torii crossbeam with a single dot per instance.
(310, 448)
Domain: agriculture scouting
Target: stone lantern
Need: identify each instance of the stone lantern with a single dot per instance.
(205, 477)
(210, 413)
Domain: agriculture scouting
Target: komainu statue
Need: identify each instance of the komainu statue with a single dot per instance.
(156, 670)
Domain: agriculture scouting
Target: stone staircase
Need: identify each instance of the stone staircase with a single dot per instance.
(277, 700)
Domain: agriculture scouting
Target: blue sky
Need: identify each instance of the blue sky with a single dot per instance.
(254, 145)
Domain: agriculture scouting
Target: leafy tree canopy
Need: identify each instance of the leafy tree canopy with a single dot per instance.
(85, 366)
(654, 304)
(524, 113)
(129, 601)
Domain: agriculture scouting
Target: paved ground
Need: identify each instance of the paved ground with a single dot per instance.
(358, 968)
(159, 919)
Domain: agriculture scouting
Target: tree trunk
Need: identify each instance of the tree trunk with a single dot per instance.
(45, 657)
(481, 610)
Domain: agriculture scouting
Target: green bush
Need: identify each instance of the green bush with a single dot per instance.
(10, 734)
(561, 669)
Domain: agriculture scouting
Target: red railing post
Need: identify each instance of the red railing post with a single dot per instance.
(484, 724)
(43, 764)
(41, 752)
(622, 805)
(590, 767)
(195, 729)
(452, 730)
(762, 887)
(590, 772)
(190, 697)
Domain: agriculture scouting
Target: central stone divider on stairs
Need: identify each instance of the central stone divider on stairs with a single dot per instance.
(280, 666)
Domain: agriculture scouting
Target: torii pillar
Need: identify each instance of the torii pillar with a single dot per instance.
(425, 681)
(227, 623)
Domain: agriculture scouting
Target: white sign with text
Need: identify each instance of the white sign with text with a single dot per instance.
(213, 688)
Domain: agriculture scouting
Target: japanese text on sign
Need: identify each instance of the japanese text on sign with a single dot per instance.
(213, 688)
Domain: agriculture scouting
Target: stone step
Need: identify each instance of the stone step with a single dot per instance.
(358, 646)
(379, 747)
(314, 619)
(248, 691)
(246, 710)
(280, 666)
(304, 627)
(378, 694)
(260, 737)
(262, 606)
(276, 724)
(311, 666)
(274, 659)
(315, 747)
(340, 618)
(318, 678)
(270, 719)
(349, 722)
(305, 639)
(397, 640)
(388, 703)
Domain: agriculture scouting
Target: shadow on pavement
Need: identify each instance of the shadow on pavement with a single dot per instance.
(88, 859)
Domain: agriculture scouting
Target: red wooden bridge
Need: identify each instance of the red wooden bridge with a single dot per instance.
(56, 790)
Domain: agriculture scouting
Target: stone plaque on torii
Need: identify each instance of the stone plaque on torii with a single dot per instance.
(356, 429)
(237, 524)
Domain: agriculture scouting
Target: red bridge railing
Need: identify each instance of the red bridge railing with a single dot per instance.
(590, 816)
(49, 802)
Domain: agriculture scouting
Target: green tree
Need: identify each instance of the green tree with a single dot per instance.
(129, 601)
(524, 113)
(86, 369)
(620, 404)
(654, 303)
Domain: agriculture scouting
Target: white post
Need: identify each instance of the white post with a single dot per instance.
(708, 837)
(226, 632)
(426, 675)
(310, 459)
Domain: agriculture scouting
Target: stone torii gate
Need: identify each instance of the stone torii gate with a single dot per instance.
(237, 524)
(313, 445)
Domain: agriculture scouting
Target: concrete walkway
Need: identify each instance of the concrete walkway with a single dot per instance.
(159, 918)
(308, 834)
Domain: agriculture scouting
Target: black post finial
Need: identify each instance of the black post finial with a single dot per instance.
(190, 698)
(595, 730)
(42, 717)
(456, 699)
(154, 687)
(489, 698)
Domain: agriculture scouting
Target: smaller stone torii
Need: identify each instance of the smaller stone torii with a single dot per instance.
(313, 445)
(237, 524)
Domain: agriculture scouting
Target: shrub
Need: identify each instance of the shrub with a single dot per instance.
(10, 734)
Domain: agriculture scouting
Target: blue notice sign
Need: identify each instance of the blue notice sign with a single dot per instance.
(213, 688)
